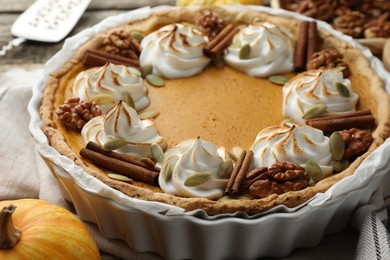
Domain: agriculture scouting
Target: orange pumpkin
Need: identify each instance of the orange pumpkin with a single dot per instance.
(35, 229)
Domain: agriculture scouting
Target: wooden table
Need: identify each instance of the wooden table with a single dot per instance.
(30, 53)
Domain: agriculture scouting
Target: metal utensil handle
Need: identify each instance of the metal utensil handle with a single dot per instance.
(11, 44)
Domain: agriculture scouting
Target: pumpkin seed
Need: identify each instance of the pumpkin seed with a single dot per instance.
(148, 114)
(287, 121)
(342, 89)
(236, 42)
(232, 156)
(278, 79)
(245, 52)
(314, 170)
(167, 172)
(155, 80)
(103, 99)
(225, 169)
(157, 152)
(314, 111)
(337, 146)
(128, 99)
(228, 198)
(197, 178)
(114, 143)
(148, 161)
(339, 69)
(340, 166)
(256, 20)
(218, 62)
(237, 150)
(134, 71)
(119, 177)
(137, 35)
(146, 70)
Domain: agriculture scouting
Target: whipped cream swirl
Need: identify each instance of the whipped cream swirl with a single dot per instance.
(123, 121)
(115, 80)
(271, 52)
(317, 87)
(292, 143)
(175, 51)
(190, 157)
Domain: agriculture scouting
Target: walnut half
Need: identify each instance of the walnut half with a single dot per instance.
(280, 178)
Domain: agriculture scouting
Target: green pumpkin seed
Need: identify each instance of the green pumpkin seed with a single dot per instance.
(157, 152)
(103, 99)
(148, 114)
(232, 156)
(314, 170)
(155, 80)
(256, 20)
(137, 35)
(278, 79)
(146, 70)
(218, 62)
(287, 121)
(128, 100)
(340, 166)
(339, 69)
(114, 143)
(245, 52)
(314, 111)
(134, 71)
(148, 161)
(337, 146)
(342, 89)
(225, 169)
(237, 150)
(228, 198)
(197, 178)
(167, 172)
(119, 177)
(236, 42)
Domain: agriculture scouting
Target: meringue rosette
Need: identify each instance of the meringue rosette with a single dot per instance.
(187, 159)
(292, 143)
(113, 80)
(271, 50)
(316, 87)
(123, 121)
(175, 51)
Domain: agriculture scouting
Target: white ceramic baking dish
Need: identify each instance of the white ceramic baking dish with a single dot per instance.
(167, 230)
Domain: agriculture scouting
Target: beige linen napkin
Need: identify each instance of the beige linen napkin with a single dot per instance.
(23, 174)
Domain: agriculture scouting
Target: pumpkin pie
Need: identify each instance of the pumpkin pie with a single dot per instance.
(214, 128)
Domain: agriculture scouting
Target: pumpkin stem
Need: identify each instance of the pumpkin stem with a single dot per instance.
(9, 234)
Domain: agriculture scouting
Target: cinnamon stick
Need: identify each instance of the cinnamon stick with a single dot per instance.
(312, 41)
(343, 115)
(301, 46)
(217, 45)
(95, 58)
(234, 173)
(242, 172)
(133, 171)
(120, 156)
(335, 124)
